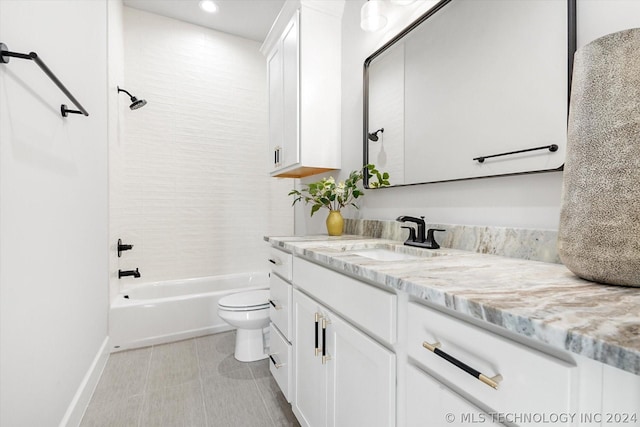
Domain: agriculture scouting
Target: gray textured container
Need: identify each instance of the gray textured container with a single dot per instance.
(599, 234)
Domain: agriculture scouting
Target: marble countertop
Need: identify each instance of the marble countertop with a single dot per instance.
(542, 301)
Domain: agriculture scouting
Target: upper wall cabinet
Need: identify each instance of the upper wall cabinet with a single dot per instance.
(472, 89)
(303, 65)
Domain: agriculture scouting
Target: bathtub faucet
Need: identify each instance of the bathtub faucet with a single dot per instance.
(135, 273)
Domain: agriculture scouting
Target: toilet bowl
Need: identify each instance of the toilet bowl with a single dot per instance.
(249, 313)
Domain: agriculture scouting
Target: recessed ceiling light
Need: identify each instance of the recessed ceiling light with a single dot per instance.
(208, 6)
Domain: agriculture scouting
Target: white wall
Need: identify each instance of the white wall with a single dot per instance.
(190, 188)
(115, 52)
(529, 201)
(53, 210)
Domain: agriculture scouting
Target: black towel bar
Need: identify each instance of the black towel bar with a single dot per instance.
(552, 148)
(5, 54)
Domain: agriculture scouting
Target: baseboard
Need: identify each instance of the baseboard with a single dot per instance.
(80, 401)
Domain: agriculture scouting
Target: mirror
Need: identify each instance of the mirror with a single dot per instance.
(473, 88)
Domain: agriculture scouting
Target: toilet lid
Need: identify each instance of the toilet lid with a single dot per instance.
(251, 299)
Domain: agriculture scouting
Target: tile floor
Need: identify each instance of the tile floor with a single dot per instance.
(195, 382)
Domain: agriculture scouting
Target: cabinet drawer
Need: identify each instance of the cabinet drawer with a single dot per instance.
(370, 308)
(280, 356)
(532, 381)
(280, 262)
(429, 403)
(280, 308)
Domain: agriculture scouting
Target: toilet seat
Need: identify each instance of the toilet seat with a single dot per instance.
(245, 301)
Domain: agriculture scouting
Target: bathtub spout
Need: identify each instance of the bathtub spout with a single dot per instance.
(135, 273)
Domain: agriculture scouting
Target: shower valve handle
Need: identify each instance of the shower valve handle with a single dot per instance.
(122, 247)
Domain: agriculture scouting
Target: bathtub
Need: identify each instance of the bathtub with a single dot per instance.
(161, 312)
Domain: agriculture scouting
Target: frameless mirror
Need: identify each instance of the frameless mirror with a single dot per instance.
(473, 88)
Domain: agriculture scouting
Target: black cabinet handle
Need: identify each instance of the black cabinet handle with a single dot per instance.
(490, 381)
(317, 349)
(275, 364)
(324, 341)
(276, 306)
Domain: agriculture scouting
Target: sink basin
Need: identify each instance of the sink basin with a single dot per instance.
(380, 254)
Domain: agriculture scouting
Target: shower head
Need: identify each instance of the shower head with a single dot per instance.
(135, 102)
(374, 136)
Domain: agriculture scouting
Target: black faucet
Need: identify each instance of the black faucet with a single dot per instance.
(122, 273)
(419, 239)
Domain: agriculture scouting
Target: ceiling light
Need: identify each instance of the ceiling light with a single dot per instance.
(208, 6)
(371, 17)
(402, 2)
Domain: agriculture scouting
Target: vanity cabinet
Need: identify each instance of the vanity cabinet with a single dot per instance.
(358, 353)
(342, 376)
(304, 88)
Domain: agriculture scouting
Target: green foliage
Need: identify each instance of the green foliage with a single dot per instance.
(326, 193)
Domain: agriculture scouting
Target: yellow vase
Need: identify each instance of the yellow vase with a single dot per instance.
(335, 223)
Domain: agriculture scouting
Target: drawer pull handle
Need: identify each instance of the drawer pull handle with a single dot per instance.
(276, 306)
(325, 357)
(490, 381)
(275, 364)
(275, 262)
(318, 317)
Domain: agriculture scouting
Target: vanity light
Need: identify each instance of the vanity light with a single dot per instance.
(208, 6)
(371, 17)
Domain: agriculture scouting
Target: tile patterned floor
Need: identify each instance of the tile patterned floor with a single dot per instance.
(195, 382)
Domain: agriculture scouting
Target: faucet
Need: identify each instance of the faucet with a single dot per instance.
(419, 239)
(122, 273)
(420, 223)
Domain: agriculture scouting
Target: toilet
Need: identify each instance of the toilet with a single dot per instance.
(249, 313)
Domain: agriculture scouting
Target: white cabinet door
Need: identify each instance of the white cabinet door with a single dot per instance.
(310, 390)
(276, 106)
(283, 68)
(355, 385)
(304, 88)
(362, 378)
(290, 75)
(429, 403)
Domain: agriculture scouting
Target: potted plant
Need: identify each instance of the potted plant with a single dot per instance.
(326, 193)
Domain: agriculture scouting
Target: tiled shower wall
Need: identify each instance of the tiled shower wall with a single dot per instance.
(189, 185)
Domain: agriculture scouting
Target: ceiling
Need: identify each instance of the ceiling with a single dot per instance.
(250, 19)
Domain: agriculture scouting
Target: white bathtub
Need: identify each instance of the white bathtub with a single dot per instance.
(161, 312)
